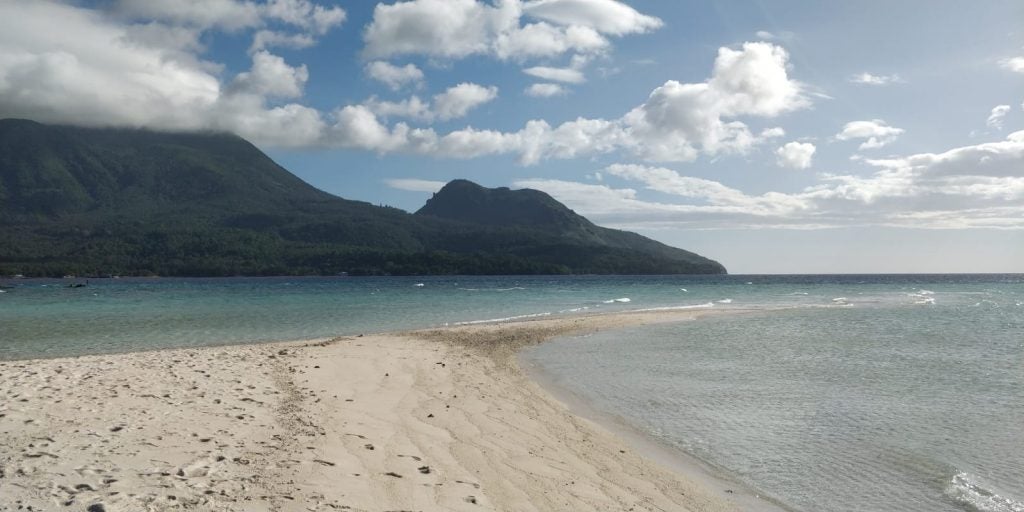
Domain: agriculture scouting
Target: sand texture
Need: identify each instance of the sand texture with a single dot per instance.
(430, 420)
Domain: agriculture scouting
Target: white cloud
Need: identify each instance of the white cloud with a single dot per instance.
(235, 14)
(606, 16)
(544, 40)
(93, 72)
(795, 155)
(96, 71)
(270, 38)
(544, 90)
(995, 118)
(969, 187)
(410, 108)
(393, 76)
(415, 185)
(784, 35)
(680, 120)
(225, 14)
(441, 28)
(876, 131)
(305, 14)
(677, 123)
(455, 102)
(566, 75)
(459, 100)
(454, 29)
(1015, 64)
(869, 79)
(272, 76)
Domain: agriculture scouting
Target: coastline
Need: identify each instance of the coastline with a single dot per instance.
(436, 419)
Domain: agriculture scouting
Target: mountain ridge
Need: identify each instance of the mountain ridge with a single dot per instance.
(96, 201)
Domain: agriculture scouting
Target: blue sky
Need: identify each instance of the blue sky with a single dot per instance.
(783, 136)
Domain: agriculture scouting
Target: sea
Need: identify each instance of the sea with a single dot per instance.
(819, 392)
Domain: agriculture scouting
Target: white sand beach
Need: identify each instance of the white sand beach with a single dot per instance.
(439, 419)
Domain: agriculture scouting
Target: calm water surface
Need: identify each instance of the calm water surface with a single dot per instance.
(836, 393)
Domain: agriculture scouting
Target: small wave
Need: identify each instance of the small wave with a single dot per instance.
(799, 293)
(684, 289)
(419, 285)
(676, 308)
(505, 319)
(492, 289)
(840, 300)
(612, 301)
(968, 492)
(724, 301)
(575, 310)
(925, 292)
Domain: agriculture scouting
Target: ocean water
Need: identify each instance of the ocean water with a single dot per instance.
(822, 392)
(905, 395)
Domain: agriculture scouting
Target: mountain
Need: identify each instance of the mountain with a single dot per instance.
(97, 201)
(465, 201)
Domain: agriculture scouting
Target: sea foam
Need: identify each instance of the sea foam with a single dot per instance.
(964, 489)
(505, 319)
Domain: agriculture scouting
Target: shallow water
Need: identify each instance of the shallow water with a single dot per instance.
(836, 393)
(901, 397)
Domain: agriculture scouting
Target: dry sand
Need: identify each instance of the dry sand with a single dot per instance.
(427, 420)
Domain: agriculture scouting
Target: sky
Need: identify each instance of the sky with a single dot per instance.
(773, 136)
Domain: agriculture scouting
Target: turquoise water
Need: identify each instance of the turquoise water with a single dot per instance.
(835, 393)
(910, 397)
(45, 318)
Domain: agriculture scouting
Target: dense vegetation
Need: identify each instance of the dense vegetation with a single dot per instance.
(90, 201)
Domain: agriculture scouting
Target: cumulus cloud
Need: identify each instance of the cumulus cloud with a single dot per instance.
(869, 79)
(678, 122)
(394, 76)
(459, 100)
(454, 102)
(409, 108)
(455, 29)
(414, 185)
(235, 14)
(226, 14)
(995, 117)
(795, 155)
(969, 187)
(544, 90)
(271, 38)
(565, 75)
(272, 76)
(606, 16)
(98, 71)
(1014, 64)
(876, 132)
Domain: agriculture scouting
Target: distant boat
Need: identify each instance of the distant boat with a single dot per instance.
(419, 285)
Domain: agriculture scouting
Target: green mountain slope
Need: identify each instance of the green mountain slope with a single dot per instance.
(93, 201)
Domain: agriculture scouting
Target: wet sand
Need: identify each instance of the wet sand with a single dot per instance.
(440, 419)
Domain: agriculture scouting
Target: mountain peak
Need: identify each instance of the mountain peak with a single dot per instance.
(465, 201)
